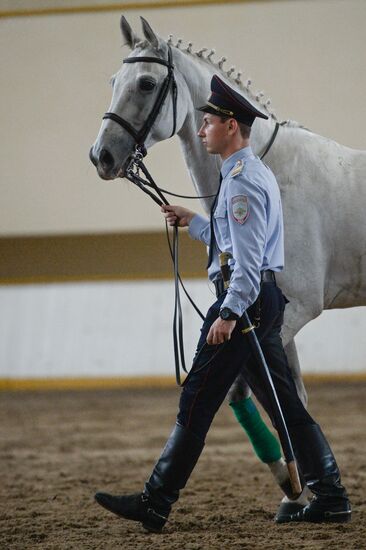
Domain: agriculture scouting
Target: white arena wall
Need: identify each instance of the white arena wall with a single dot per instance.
(113, 329)
(308, 55)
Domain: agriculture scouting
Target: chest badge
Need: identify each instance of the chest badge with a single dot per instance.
(237, 168)
(240, 208)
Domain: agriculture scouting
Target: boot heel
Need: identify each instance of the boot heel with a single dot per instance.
(338, 517)
(154, 522)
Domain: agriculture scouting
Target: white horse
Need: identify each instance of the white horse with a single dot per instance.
(321, 182)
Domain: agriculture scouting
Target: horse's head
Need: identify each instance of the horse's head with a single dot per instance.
(143, 109)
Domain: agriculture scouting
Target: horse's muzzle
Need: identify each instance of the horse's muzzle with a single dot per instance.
(105, 164)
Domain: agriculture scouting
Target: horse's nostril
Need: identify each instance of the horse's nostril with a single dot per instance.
(106, 159)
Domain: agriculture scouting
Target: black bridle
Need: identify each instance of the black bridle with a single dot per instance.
(133, 174)
(169, 82)
(136, 165)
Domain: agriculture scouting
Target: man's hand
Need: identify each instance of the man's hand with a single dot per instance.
(220, 331)
(177, 215)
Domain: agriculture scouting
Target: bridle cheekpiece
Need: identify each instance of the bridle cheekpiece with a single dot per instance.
(140, 136)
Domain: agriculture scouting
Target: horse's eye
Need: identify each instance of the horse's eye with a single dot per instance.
(147, 84)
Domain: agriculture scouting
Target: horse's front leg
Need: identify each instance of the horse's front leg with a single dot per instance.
(294, 364)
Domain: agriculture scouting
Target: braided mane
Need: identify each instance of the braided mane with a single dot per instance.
(204, 54)
(234, 76)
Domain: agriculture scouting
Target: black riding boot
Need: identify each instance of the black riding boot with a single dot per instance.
(319, 468)
(170, 474)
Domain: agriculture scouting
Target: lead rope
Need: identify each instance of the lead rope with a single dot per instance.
(137, 163)
(178, 337)
(133, 175)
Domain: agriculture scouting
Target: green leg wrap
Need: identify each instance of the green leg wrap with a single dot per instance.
(265, 445)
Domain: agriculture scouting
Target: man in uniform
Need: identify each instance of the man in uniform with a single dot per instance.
(246, 222)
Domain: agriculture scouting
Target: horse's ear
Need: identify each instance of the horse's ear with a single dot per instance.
(149, 34)
(130, 37)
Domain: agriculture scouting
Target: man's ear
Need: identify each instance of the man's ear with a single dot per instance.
(233, 125)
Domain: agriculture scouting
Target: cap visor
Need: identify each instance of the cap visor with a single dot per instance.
(208, 109)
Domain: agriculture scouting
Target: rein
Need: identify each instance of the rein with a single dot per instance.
(273, 137)
(146, 183)
(156, 194)
(133, 174)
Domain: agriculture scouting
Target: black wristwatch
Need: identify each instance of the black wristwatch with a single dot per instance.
(227, 315)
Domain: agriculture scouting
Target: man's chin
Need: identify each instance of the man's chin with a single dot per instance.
(211, 150)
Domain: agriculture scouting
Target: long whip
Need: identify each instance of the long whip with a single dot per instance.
(247, 328)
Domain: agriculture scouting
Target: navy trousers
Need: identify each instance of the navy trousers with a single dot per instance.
(216, 367)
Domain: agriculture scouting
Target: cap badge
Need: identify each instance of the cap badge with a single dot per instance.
(240, 208)
(220, 109)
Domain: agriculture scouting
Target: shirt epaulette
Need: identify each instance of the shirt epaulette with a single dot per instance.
(238, 168)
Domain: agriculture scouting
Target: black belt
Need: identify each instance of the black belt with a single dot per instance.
(267, 276)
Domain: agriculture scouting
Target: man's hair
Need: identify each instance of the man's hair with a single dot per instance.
(244, 129)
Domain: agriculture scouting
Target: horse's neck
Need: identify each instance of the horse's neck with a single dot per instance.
(204, 168)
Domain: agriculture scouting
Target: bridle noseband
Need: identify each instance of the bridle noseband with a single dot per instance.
(140, 136)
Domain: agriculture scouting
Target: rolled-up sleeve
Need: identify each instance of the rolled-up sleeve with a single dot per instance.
(248, 245)
(199, 229)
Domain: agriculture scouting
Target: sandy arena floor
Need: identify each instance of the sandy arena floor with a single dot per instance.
(58, 448)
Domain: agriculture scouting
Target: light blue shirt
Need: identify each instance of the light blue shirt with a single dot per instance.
(248, 224)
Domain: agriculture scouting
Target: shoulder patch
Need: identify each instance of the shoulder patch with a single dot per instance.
(240, 208)
(237, 168)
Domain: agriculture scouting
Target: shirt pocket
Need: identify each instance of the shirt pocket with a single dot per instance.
(221, 222)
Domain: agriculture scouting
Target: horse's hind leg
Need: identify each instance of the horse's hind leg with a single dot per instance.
(264, 443)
